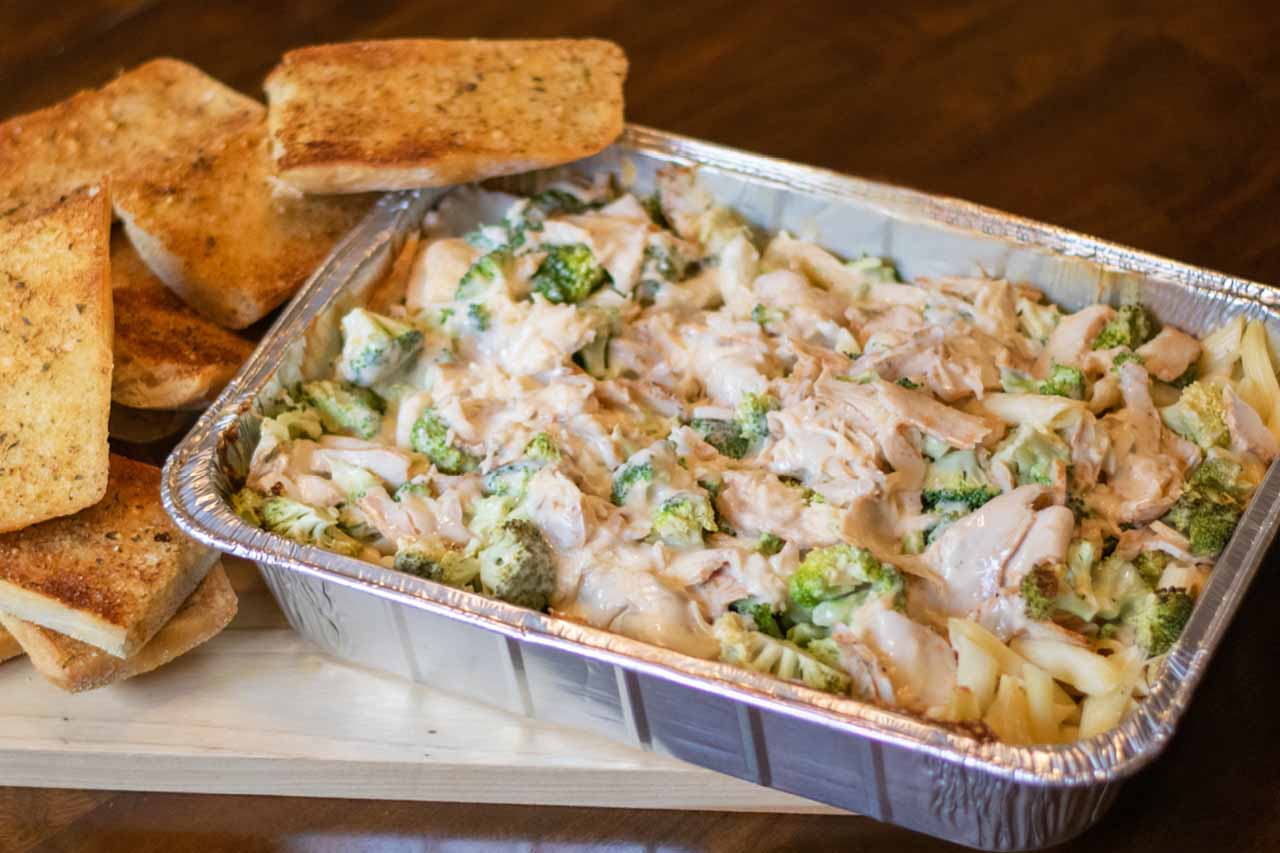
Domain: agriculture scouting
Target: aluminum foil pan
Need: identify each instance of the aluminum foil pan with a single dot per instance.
(868, 760)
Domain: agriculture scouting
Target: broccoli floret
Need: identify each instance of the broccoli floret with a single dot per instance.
(662, 263)
(724, 436)
(594, 357)
(1064, 381)
(1040, 588)
(713, 489)
(354, 523)
(478, 315)
(957, 481)
(1150, 566)
(1117, 586)
(909, 384)
(374, 346)
(1191, 374)
(518, 566)
(680, 520)
(804, 633)
(542, 447)
(760, 652)
(769, 544)
(442, 565)
(761, 614)
(417, 486)
(1076, 592)
(430, 437)
(302, 422)
(1221, 473)
(752, 415)
(569, 273)
(511, 479)
(1037, 321)
(1200, 415)
(1131, 327)
(247, 503)
(840, 570)
(530, 214)
(345, 408)
(1206, 517)
(1126, 357)
(875, 268)
(766, 316)
(307, 525)
(628, 476)
(486, 270)
(1034, 454)
(354, 481)
(1159, 619)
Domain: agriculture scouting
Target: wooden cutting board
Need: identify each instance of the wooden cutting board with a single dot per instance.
(258, 711)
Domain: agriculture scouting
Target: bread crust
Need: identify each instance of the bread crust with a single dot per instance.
(55, 358)
(404, 113)
(111, 575)
(75, 666)
(167, 356)
(9, 648)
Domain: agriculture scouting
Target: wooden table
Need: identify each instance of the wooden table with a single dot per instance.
(1140, 122)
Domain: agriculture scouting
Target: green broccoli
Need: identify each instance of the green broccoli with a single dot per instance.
(1131, 327)
(1064, 381)
(594, 357)
(478, 315)
(680, 520)
(1076, 590)
(1034, 454)
(1040, 588)
(909, 383)
(766, 316)
(713, 489)
(752, 415)
(724, 436)
(518, 566)
(511, 479)
(374, 347)
(569, 273)
(769, 544)
(627, 477)
(804, 633)
(442, 565)
(430, 437)
(1150, 566)
(662, 263)
(354, 481)
(957, 482)
(355, 524)
(763, 653)
(875, 268)
(486, 270)
(1207, 517)
(530, 214)
(307, 525)
(761, 613)
(345, 408)
(1191, 374)
(1117, 585)
(1200, 415)
(1158, 619)
(836, 571)
(303, 422)
(417, 486)
(247, 503)
(542, 447)
(1126, 357)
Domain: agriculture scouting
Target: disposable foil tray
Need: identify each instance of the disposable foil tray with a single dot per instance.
(839, 751)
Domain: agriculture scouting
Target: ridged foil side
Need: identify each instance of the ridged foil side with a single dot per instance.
(856, 756)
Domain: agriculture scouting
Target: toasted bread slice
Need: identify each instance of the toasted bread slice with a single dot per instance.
(75, 666)
(211, 226)
(397, 114)
(166, 355)
(160, 107)
(55, 358)
(9, 647)
(111, 575)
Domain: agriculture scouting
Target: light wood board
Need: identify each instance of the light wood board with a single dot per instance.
(258, 711)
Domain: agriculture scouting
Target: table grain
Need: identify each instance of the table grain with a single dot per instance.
(1154, 124)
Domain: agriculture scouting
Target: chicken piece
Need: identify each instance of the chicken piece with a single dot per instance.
(616, 234)
(919, 664)
(387, 463)
(824, 450)
(435, 275)
(871, 682)
(558, 507)
(755, 502)
(542, 336)
(1248, 433)
(1046, 541)
(958, 429)
(1072, 338)
(970, 556)
(636, 604)
(1168, 355)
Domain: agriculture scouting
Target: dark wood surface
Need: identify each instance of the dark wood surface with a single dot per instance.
(1149, 123)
